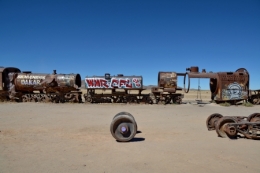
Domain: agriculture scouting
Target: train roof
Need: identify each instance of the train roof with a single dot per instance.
(2, 69)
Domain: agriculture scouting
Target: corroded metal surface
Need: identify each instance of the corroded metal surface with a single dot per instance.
(235, 126)
(123, 127)
(167, 80)
(254, 97)
(212, 120)
(128, 89)
(36, 87)
(224, 86)
(165, 92)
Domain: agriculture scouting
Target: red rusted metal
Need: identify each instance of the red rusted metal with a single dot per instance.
(254, 97)
(224, 86)
(27, 86)
(167, 87)
(235, 126)
(7, 90)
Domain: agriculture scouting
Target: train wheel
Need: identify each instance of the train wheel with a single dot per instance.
(167, 100)
(88, 99)
(57, 99)
(224, 130)
(24, 98)
(157, 100)
(149, 100)
(124, 113)
(45, 98)
(254, 100)
(123, 127)
(255, 117)
(132, 99)
(212, 120)
(79, 98)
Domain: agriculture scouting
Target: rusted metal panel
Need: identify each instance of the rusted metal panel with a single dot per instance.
(39, 81)
(167, 80)
(254, 97)
(29, 81)
(233, 86)
(105, 82)
(224, 86)
(69, 80)
(4, 72)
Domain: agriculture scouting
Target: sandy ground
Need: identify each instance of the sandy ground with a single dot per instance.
(46, 137)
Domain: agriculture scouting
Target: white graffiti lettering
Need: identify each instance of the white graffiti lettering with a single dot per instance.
(30, 77)
(234, 91)
(30, 82)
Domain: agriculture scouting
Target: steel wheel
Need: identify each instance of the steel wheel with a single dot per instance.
(88, 99)
(224, 130)
(123, 127)
(255, 117)
(212, 120)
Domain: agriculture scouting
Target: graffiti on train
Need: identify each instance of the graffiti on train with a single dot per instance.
(113, 83)
(234, 91)
(30, 79)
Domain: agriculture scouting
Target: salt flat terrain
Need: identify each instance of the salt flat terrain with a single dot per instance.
(47, 137)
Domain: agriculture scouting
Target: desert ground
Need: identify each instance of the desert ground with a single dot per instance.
(70, 137)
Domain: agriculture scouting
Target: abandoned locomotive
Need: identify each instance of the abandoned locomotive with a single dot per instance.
(26, 86)
(229, 87)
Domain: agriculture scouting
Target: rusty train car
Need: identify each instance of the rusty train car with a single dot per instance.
(129, 89)
(35, 87)
(27, 86)
(229, 87)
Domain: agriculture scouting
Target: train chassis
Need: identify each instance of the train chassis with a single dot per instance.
(55, 97)
(125, 96)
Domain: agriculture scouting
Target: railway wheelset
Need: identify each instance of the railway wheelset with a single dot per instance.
(234, 127)
(124, 127)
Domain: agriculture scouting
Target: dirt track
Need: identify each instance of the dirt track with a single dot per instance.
(40, 137)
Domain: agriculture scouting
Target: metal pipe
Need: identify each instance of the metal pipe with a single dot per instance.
(202, 75)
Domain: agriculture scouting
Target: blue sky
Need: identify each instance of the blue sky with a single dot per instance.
(131, 37)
